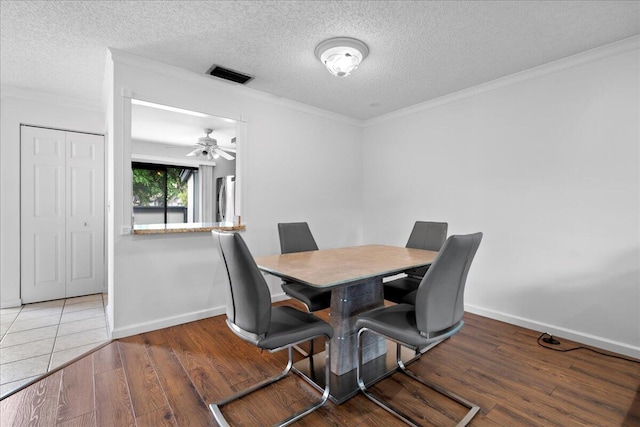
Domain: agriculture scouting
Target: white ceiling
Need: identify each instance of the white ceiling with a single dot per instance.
(166, 127)
(419, 50)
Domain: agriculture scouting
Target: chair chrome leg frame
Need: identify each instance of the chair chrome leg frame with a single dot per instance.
(473, 408)
(222, 422)
(297, 347)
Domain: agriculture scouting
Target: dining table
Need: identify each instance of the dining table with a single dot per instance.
(355, 277)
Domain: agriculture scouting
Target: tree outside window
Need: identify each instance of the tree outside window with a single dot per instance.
(161, 193)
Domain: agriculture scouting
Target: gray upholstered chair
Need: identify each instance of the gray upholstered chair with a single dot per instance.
(425, 235)
(436, 316)
(251, 317)
(297, 237)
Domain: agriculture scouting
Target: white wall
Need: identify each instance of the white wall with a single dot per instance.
(25, 107)
(546, 164)
(300, 164)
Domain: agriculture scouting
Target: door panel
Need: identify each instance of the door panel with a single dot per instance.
(85, 214)
(82, 183)
(42, 205)
(47, 248)
(82, 257)
(62, 214)
(47, 187)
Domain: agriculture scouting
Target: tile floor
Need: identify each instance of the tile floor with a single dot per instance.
(37, 338)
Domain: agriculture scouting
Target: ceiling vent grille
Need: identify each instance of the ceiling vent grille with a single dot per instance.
(227, 74)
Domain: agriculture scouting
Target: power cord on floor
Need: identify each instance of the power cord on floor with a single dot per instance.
(549, 339)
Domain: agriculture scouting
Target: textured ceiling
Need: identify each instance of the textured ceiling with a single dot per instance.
(418, 50)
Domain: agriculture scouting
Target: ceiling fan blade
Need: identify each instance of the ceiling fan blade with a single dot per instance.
(229, 149)
(195, 152)
(224, 154)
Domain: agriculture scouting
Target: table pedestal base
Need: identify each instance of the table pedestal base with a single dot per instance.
(346, 304)
(345, 386)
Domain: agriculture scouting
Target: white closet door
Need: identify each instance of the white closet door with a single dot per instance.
(62, 215)
(85, 214)
(42, 204)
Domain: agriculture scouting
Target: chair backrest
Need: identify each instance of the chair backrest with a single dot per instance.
(428, 235)
(248, 297)
(296, 237)
(440, 296)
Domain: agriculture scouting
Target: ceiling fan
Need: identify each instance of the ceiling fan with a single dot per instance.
(209, 147)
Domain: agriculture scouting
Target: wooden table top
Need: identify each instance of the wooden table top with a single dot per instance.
(332, 267)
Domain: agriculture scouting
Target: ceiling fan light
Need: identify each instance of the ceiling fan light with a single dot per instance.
(341, 55)
(208, 147)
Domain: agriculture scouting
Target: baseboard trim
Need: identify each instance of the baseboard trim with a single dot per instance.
(581, 337)
(11, 303)
(141, 328)
(166, 322)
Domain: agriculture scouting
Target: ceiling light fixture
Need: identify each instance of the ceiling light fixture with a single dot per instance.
(341, 55)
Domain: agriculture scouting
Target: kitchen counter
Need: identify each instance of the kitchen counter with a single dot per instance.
(194, 227)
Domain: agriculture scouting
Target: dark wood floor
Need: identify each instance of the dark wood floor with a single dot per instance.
(168, 377)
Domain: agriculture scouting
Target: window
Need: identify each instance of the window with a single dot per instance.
(164, 194)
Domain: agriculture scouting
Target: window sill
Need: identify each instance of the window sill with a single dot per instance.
(195, 227)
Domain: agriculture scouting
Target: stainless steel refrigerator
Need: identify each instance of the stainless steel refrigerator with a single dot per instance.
(225, 203)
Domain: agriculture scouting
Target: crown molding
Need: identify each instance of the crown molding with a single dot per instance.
(125, 58)
(629, 44)
(32, 95)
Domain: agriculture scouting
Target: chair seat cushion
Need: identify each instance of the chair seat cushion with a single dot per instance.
(315, 299)
(289, 326)
(410, 298)
(397, 289)
(398, 322)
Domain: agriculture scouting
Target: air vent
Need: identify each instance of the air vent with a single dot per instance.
(227, 74)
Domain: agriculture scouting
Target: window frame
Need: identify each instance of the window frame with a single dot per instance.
(137, 164)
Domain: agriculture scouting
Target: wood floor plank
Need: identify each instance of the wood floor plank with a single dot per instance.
(76, 390)
(34, 405)
(603, 406)
(113, 404)
(536, 405)
(158, 338)
(159, 418)
(424, 405)
(106, 358)
(354, 412)
(241, 362)
(505, 367)
(144, 387)
(501, 367)
(509, 416)
(188, 408)
(84, 420)
(524, 345)
(594, 378)
(626, 378)
(447, 376)
(196, 354)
